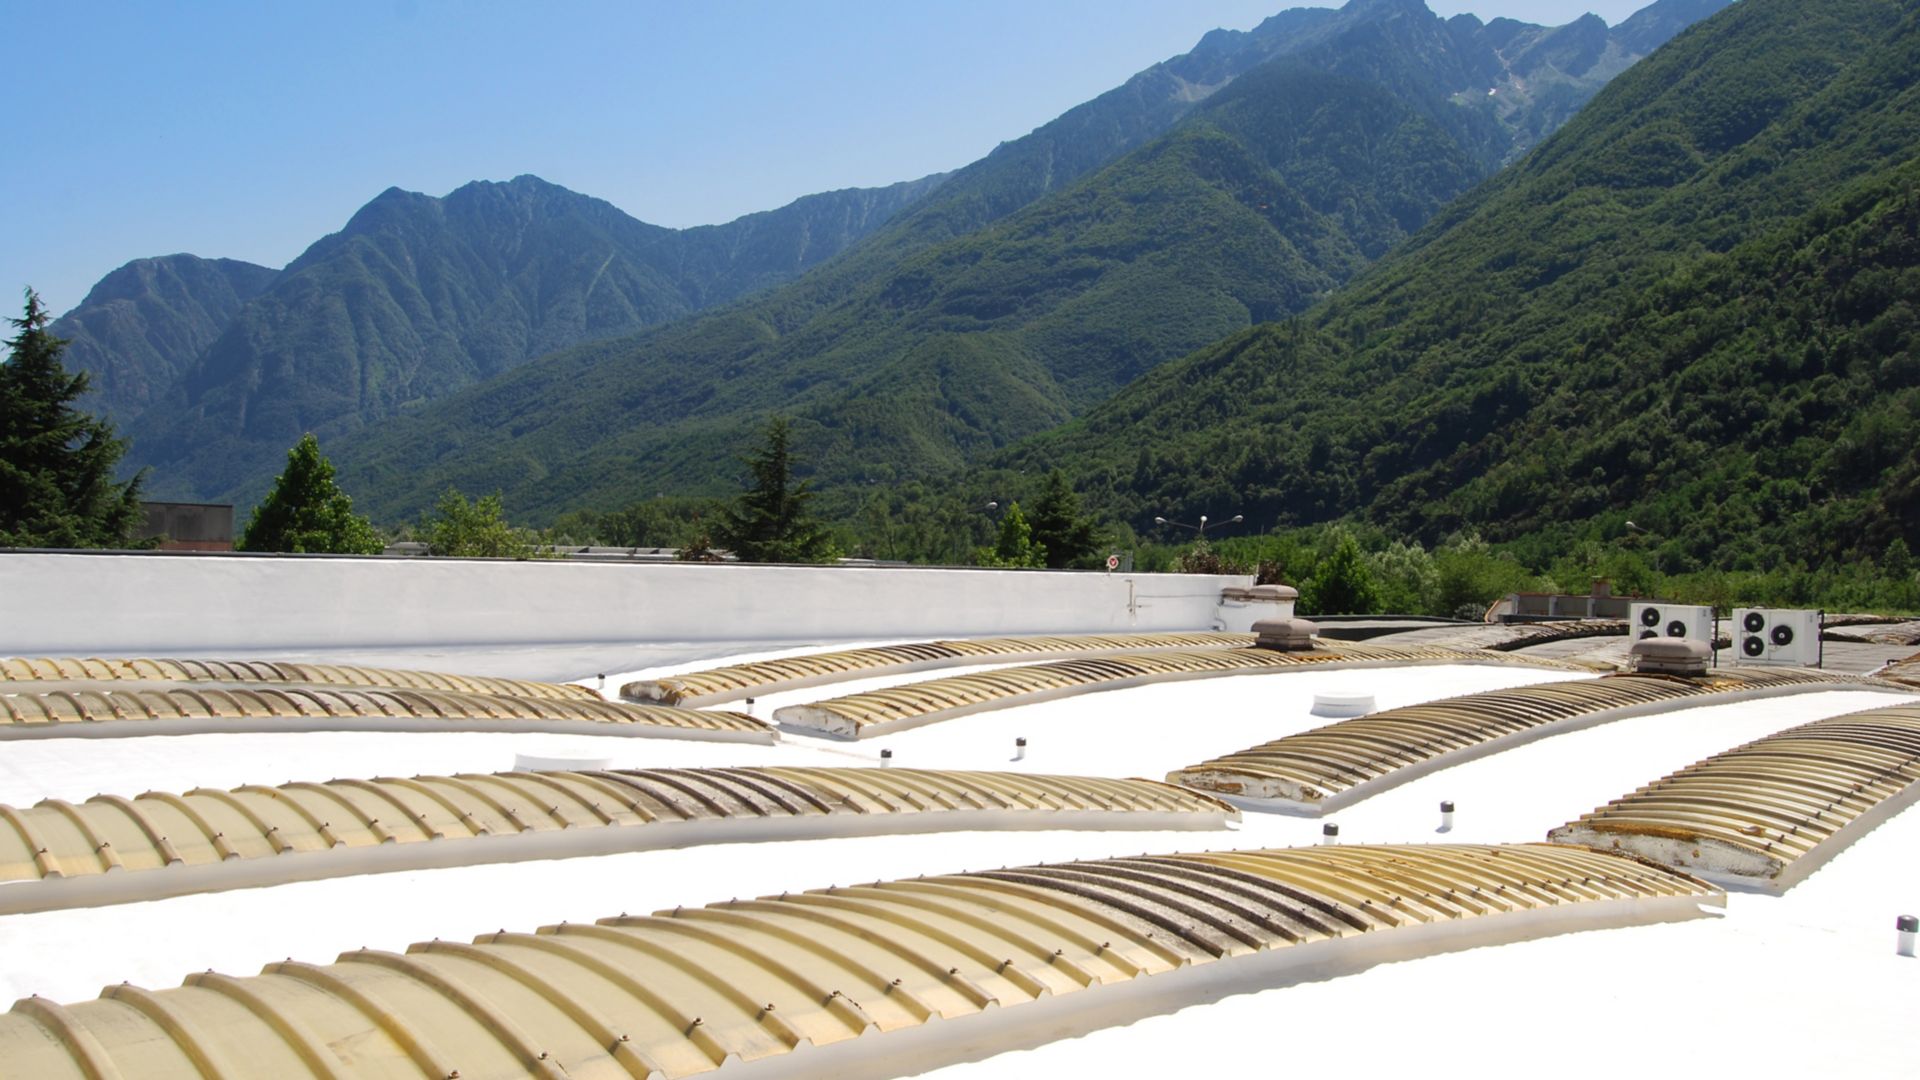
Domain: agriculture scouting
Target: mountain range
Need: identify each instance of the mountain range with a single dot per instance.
(417, 297)
(920, 326)
(146, 323)
(1693, 307)
(1324, 138)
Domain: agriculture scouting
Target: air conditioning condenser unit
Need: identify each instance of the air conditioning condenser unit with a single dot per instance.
(1776, 636)
(1670, 620)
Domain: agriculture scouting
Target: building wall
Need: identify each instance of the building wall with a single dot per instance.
(189, 526)
(162, 603)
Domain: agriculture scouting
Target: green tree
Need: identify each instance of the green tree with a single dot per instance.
(771, 521)
(1407, 579)
(1203, 558)
(476, 529)
(1471, 576)
(56, 462)
(1343, 584)
(1057, 525)
(1015, 545)
(307, 511)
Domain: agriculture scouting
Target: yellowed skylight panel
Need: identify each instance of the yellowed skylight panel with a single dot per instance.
(1331, 766)
(1511, 636)
(1768, 813)
(244, 672)
(59, 854)
(735, 681)
(687, 991)
(1906, 672)
(29, 713)
(878, 712)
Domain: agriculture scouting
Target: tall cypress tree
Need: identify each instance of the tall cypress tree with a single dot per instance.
(56, 462)
(771, 522)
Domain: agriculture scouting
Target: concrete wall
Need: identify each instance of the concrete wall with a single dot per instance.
(165, 604)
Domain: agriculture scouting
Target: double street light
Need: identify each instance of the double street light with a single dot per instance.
(1204, 523)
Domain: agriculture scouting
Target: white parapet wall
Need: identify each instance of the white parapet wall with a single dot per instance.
(199, 604)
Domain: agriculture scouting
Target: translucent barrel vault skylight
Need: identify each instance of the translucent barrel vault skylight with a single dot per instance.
(686, 991)
(1327, 767)
(111, 848)
(1768, 813)
(880, 712)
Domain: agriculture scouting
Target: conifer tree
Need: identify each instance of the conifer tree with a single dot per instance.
(771, 522)
(1058, 526)
(56, 462)
(307, 512)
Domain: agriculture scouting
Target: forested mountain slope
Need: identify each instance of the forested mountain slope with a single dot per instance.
(910, 356)
(1693, 306)
(148, 321)
(418, 296)
(509, 270)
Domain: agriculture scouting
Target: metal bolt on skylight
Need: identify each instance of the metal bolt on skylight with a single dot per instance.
(886, 758)
(1329, 833)
(1908, 925)
(1446, 817)
(1020, 749)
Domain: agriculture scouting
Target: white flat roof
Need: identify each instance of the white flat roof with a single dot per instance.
(1802, 984)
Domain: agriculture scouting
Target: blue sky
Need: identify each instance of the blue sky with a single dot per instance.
(250, 130)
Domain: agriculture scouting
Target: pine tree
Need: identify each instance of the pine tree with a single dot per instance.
(770, 522)
(1058, 526)
(56, 462)
(306, 511)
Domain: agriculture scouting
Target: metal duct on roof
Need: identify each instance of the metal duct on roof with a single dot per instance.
(684, 992)
(68, 855)
(880, 712)
(1316, 771)
(1768, 813)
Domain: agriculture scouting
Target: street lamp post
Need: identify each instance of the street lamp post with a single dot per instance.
(1645, 539)
(1204, 525)
(962, 530)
